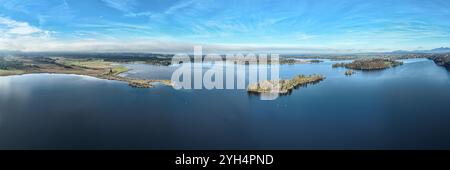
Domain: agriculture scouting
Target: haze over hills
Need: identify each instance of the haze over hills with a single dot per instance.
(440, 50)
(435, 50)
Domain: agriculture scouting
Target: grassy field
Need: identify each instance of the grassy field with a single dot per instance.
(110, 67)
(117, 69)
(11, 72)
(90, 64)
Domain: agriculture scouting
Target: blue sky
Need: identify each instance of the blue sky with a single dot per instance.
(227, 25)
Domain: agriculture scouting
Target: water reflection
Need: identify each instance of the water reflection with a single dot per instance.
(403, 107)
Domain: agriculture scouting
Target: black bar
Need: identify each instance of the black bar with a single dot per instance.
(148, 159)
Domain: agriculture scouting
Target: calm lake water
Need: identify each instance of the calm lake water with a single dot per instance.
(399, 108)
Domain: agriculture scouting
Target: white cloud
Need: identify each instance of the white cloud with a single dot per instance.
(9, 27)
(16, 35)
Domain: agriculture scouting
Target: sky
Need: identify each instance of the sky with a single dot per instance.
(167, 26)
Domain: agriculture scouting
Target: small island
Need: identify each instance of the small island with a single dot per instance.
(349, 72)
(369, 64)
(283, 86)
(147, 83)
(299, 61)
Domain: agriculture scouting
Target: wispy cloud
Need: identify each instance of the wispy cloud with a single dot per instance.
(303, 36)
(19, 5)
(41, 11)
(17, 35)
(121, 5)
(232, 24)
(179, 6)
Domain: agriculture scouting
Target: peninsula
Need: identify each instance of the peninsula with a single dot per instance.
(98, 68)
(441, 60)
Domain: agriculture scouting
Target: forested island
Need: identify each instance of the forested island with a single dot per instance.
(283, 86)
(298, 61)
(369, 64)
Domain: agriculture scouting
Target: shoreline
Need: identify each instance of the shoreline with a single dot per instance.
(97, 68)
(135, 83)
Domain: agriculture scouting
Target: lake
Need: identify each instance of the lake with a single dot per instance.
(406, 107)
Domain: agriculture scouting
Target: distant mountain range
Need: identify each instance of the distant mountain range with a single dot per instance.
(436, 50)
